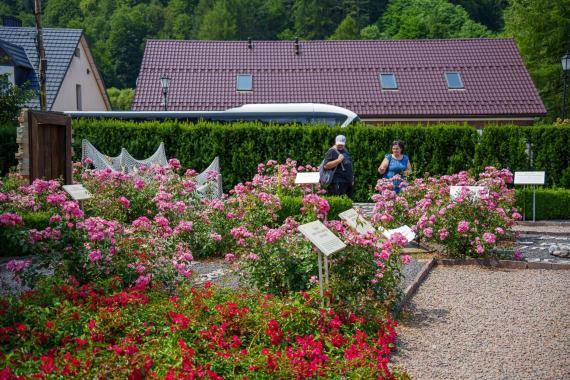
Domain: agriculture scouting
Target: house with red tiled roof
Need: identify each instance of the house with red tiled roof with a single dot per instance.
(384, 81)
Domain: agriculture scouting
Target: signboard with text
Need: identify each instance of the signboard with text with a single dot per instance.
(77, 192)
(307, 178)
(323, 238)
(357, 222)
(474, 191)
(530, 178)
(408, 233)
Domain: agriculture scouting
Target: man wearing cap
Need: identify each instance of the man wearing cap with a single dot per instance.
(338, 157)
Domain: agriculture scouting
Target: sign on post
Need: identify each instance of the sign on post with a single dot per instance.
(77, 192)
(530, 178)
(307, 178)
(404, 230)
(323, 238)
(326, 243)
(474, 191)
(357, 222)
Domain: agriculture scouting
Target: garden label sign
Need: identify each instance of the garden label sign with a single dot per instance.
(529, 178)
(308, 178)
(322, 237)
(408, 233)
(77, 192)
(455, 191)
(357, 222)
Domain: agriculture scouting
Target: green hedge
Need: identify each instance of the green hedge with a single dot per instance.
(506, 146)
(291, 206)
(8, 147)
(550, 203)
(434, 149)
(437, 149)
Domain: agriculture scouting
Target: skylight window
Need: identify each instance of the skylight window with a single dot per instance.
(388, 82)
(454, 81)
(244, 82)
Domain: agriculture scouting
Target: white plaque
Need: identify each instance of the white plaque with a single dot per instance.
(529, 178)
(307, 178)
(455, 191)
(404, 230)
(77, 192)
(327, 242)
(357, 222)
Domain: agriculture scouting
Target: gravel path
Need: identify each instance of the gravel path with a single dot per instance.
(474, 323)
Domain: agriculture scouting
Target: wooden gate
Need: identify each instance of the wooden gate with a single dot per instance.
(50, 145)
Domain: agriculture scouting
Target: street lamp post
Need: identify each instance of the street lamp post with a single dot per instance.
(565, 68)
(164, 83)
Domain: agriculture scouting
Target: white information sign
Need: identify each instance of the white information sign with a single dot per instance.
(530, 178)
(357, 222)
(323, 238)
(404, 230)
(455, 191)
(77, 192)
(307, 178)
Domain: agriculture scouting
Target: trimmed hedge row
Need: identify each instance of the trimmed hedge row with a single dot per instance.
(434, 149)
(548, 149)
(8, 147)
(437, 149)
(550, 203)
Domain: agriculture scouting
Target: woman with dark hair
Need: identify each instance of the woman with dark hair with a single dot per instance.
(396, 163)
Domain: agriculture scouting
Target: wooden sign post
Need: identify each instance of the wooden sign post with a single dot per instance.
(326, 243)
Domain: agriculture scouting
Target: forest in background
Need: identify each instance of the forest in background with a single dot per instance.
(117, 29)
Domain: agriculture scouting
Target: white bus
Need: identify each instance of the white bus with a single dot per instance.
(285, 113)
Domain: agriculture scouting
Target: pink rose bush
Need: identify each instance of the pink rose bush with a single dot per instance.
(467, 226)
(119, 303)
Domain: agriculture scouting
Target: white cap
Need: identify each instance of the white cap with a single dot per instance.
(340, 140)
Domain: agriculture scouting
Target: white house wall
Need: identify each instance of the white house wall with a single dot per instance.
(91, 92)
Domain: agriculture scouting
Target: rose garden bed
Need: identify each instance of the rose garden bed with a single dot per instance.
(118, 303)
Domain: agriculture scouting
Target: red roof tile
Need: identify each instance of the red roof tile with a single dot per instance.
(342, 73)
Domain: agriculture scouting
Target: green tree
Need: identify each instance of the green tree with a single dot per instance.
(218, 23)
(62, 13)
(347, 30)
(407, 19)
(12, 99)
(121, 99)
(371, 32)
(541, 29)
(486, 12)
(316, 19)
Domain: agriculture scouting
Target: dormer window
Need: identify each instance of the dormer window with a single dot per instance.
(388, 81)
(244, 82)
(454, 81)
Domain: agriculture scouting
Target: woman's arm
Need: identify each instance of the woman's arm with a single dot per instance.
(334, 163)
(383, 166)
(408, 169)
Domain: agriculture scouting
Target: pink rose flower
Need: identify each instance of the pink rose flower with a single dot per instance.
(125, 202)
(489, 238)
(463, 227)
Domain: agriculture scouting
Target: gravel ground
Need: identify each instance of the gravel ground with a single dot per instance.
(410, 271)
(474, 323)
